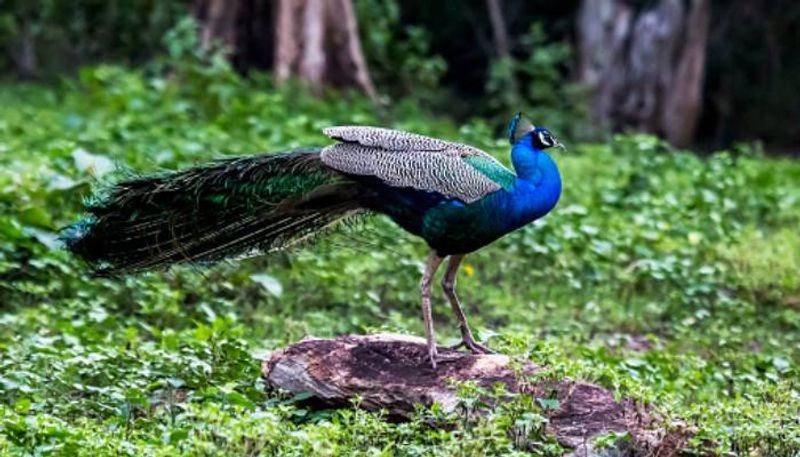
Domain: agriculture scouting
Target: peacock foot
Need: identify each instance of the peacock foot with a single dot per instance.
(436, 358)
(433, 354)
(473, 346)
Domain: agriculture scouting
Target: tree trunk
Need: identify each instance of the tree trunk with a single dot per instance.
(645, 67)
(684, 105)
(242, 27)
(317, 41)
(23, 53)
(499, 31)
(217, 20)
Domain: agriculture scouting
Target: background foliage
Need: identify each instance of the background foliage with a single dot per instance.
(415, 45)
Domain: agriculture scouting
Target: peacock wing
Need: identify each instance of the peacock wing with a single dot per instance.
(403, 159)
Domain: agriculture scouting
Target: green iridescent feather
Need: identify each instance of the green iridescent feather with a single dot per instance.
(493, 169)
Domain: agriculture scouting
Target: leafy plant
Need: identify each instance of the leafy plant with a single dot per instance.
(535, 83)
(399, 56)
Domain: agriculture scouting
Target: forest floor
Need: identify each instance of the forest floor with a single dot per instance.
(664, 276)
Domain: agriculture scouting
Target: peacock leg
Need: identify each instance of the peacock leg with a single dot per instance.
(425, 293)
(449, 286)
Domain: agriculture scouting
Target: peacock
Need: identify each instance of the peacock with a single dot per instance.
(455, 197)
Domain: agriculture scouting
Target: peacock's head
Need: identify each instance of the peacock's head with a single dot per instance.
(521, 128)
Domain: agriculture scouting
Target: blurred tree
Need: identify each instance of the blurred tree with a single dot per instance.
(499, 31)
(313, 40)
(753, 69)
(218, 19)
(243, 28)
(644, 62)
(45, 37)
(317, 41)
(21, 29)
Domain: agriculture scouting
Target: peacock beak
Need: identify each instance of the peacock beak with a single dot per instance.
(560, 145)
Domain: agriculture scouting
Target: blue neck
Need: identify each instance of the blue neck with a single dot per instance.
(538, 185)
(525, 159)
(531, 164)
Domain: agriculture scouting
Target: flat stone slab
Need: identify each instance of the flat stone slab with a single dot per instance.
(392, 373)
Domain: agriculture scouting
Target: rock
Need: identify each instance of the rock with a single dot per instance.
(392, 373)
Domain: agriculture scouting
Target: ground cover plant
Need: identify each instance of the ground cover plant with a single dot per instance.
(665, 276)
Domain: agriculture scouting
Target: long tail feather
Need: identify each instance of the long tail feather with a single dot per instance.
(229, 208)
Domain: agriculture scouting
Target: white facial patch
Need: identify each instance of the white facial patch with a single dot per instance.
(545, 139)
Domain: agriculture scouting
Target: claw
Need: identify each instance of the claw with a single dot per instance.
(432, 355)
(443, 359)
(478, 348)
(473, 346)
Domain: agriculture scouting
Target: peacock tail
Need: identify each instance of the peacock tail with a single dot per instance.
(229, 208)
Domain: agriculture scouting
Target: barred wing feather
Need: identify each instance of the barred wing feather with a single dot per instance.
(402, 159)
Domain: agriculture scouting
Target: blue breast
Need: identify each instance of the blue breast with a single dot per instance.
(535, 194)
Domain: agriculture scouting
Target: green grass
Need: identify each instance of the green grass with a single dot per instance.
(696, 256)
